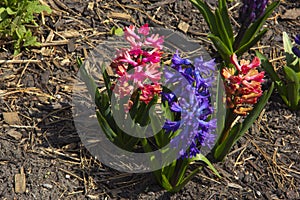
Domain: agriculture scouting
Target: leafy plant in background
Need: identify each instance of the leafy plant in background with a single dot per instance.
(289, 85)
(15, 16)
(138, 88)
(252, 16)
(242, 81)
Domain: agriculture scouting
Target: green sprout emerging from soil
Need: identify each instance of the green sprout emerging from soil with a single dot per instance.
(16, 18)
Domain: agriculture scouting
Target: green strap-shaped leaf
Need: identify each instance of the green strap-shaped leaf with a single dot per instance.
(293, 87)
(186, 180)
(106, 127)
(220, 104)
(224, 13)
(267, 66)
(223, 149)
(165, 183)
(106, 79)
(221, 47)
(201, 157)
(255, 27)
(252, 116)
(251, 43)
(223, 31)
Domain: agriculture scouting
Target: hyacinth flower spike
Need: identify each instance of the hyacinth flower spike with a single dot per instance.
(250, 11)
(244, 99)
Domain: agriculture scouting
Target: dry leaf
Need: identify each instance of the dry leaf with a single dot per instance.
(291, 14)
(11, 118)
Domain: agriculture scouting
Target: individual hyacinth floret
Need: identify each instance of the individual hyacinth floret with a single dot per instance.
(242, 84)
(195, 109)
(251, 10)
(296, 49)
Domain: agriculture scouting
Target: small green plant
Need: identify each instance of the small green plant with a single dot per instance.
(15, 16)
(288, 86)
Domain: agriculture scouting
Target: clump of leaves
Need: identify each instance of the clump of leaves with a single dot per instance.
(15, 17)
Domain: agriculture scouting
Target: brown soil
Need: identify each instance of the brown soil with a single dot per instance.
(42, 139)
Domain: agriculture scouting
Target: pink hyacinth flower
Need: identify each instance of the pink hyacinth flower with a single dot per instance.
(144, 30)
(155, 41)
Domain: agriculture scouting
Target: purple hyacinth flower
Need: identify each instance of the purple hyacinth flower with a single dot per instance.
(171, 125)
(193, 105)
(177, 61)
(295, 49)
(297, 39)
(251, 11)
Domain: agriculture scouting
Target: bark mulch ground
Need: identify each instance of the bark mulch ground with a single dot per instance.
(38, 137)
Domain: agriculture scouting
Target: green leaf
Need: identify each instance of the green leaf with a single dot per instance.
(36, 7)
(293, 87)
(223, 149)
(201, 157)
(165, 183)
(221, 47)
(252, 116)
(106, 127)
(251, 43)
(31, 41)
(186, 180)
(207, 14)
(220, 104)
(3, 17)
(106, 80)
(2, 10)
(267, 66)
(224, 13)
(287, 44)
(116, 31)
(291, 58)
(79, 62)
(14, 24)
(10, 11)
(255, 27)
(21, 30)
(223, 31)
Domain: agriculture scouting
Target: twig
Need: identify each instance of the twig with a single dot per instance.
(19, 61)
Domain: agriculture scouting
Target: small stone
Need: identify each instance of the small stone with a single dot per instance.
(258, 193)
(90, 6)
(68, 176)
(48, 186)
(20, 182)
(183, 26)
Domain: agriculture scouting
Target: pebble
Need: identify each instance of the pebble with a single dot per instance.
(48, 186)
(258, 193)
(68, 176)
